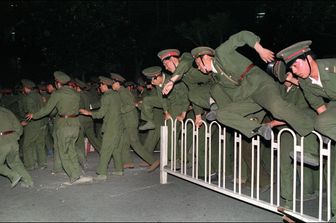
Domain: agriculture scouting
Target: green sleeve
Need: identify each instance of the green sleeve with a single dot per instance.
(164, 99)
(197, 109)
(315, 101)
(100, 113)
(239, 40)
(31, 104)
(127, 100)
(184, 65)
(48, 108)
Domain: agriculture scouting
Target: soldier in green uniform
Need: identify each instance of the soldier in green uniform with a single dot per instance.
(248, 87)
(66, 101)
(11, 165)
(34, 153)
(131, 86)
(95, 96)
(109, 111)
(57, 165)
(86, 124)
(42, 87)
(11, 100)
(153, 135)
(174, 105)
(198, 84)
(292, 93)
(131, 121)
(317, 78)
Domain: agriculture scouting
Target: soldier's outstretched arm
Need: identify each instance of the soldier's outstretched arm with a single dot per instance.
(265, 54)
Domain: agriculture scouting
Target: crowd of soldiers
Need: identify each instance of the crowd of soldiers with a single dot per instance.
(205, 85)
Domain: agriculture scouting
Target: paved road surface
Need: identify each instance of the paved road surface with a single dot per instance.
(136, 196)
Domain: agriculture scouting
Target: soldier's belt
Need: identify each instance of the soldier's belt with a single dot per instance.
(68, 116)
(248, 68)
(6, 132)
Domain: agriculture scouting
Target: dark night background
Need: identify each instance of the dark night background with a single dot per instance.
(91, 38)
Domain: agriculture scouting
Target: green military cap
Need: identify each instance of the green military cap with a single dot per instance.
(81, 84)
(42, 86)
(61, 77)
(279, 69)
(163, 54)
(202, 50)
(105, 80)
(117, 77)
(153, 71)
(28, 83)
(141, 82)
(129, 83)
(291, 53)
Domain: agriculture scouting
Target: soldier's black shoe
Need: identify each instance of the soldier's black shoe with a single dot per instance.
(325, 139)
(308, 158)
(147, 126)
(211, 116)
(213, 107)
(265, 131)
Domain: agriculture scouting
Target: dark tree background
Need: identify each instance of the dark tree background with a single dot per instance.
(90, 38)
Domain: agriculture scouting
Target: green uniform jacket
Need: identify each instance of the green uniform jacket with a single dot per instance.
(316, 94)
(94, 97)
(9, 122)
(188, 73)
(85, 104)
(233, 64)
(177, 100)
(32, 103)
(110, 111)
(145, 92)
(295, 96)
(127, 100)
(198, 83)
(13, 103)
(66, 101)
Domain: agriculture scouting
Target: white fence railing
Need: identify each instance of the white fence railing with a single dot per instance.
(175, 138)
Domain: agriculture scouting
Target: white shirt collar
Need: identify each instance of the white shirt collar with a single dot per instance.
(317, 82)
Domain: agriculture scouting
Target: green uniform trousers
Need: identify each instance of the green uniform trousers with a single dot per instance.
(112, 145)
(34, 153)
(255, 94)
(131, 122)
(9, 155)
(66, 137)
(152, 137)
(310, 182)
(57, 167)
(86, 129)
(202, 165)
(49, 142)
(333, 180)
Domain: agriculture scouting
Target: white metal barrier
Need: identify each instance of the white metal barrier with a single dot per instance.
(176, 140)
